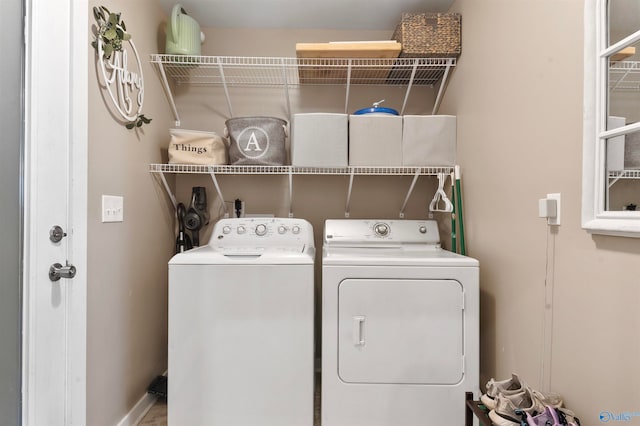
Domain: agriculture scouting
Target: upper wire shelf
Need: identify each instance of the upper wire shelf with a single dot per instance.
(286, 73)
(279, 71)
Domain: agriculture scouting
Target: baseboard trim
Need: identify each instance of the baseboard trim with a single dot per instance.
(138, 411)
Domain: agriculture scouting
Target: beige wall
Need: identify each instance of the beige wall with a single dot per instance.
(127, 294)
(517, 92)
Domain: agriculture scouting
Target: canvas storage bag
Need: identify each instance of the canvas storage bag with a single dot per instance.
(197, 147)
(257, 140)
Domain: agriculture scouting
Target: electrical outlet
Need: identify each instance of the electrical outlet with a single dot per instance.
(112, 208)
(554, 220)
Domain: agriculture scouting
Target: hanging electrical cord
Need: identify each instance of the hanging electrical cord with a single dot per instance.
(547, 311)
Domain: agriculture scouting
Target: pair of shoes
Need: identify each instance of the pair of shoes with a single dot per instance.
(506, 387)
(548, 417)
(552, 416)
(513, 409)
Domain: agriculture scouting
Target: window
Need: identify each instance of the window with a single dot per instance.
(611, 150)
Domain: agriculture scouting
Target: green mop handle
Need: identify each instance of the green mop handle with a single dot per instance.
(454, 245)
(459, 203)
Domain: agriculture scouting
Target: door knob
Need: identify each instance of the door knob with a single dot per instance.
(57, 271)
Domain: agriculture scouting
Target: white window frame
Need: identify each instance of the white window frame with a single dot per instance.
(595, 219)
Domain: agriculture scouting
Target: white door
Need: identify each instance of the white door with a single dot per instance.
(54, 345)
(400, 331)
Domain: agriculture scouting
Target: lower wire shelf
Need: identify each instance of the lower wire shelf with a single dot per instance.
(214, 170)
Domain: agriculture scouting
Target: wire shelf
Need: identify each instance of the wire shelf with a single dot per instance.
(625, 174)
(624, 76)
(295, 170)
(280, 71)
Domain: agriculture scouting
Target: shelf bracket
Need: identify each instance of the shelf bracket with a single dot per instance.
(413, 76)
(168, 94)
(406, 199)
(443, 85)
(290, 192)
(226, 88)
(348, 205)
(348, 88)
(224, 205)
(166, 188)
(286, 88)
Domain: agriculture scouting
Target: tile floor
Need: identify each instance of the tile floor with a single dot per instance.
(157, 415)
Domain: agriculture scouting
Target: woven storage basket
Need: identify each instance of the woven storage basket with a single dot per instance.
(429, 35)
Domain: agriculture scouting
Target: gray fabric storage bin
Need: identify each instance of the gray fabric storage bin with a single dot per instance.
(319, 140)
(257, 140)
(429, 140)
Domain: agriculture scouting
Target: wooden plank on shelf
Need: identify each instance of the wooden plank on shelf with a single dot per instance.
(349, 49)
(323, 72)
(623, 54)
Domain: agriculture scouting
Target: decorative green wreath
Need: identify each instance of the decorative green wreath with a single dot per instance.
(112, 32)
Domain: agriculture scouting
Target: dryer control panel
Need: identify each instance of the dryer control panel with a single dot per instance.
(357, 232)
(263, 231)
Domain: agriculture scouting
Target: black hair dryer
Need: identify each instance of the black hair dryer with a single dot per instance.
(197, 215)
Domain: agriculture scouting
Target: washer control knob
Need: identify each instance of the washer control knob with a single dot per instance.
(282, 229)
(261, 229)
(226, 229)
(423, 229)
(381, 229)
(295, 229)
(241, 229)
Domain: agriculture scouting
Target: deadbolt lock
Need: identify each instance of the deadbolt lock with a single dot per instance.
(56, 234)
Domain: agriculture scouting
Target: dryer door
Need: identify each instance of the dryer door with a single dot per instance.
(400, 331)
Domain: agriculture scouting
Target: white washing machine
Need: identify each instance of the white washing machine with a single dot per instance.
(399, 325)
(241, 334)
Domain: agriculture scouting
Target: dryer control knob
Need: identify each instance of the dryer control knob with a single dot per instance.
(261, 230)
(281, 229)
(381, 229)
(241, 229)
(295, 229)
(226, 229)
(423, 229)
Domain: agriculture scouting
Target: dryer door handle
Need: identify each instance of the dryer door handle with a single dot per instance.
(358, 330)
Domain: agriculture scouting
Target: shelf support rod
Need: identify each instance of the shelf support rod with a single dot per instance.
(348, 205)
(619, 82)
(443, 85)
(168, 94)
(215, 183)
(166, 188)
(346, 100)
(226, 89)
(290, 191)
(410, 85)
(406, 199)
(615, 180)
(286, 88)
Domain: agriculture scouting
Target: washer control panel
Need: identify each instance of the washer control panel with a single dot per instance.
(270, 230)
(373, 231)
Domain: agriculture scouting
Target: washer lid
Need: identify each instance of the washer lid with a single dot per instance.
(246, 255)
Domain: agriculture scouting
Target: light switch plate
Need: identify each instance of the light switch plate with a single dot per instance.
(112, 208)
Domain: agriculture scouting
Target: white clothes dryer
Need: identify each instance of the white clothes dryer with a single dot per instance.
(400, 344)
(241, 334)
